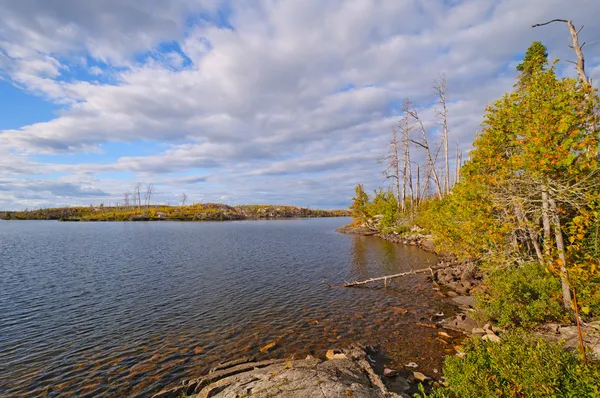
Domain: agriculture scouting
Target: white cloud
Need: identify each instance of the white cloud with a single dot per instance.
(294, 87)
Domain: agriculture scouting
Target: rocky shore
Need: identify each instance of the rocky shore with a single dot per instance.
(345, 373)
(460, 280)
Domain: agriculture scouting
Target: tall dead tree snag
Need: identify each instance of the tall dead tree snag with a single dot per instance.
(149, 193)
(407, 168)
(137, 195)
(425, 145)
(392, 170)
(580, 64)
(183, 199)
(442, 114)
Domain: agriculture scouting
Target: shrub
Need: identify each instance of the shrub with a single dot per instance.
(523, 296)
(518, 367)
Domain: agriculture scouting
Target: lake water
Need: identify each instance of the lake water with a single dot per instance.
(90, 309)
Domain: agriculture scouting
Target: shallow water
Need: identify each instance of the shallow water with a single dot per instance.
(90, 309)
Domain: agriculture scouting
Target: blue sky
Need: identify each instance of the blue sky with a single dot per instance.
(273, 101)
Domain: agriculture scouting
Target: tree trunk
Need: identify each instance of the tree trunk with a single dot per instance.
(546, 221)
(419, 187)
(560, 247)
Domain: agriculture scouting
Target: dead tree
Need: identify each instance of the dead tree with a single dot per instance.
(183, 199)
(440, 89)
(425, 145)
(392, 170)
(407, 169)
(148, 196)
(580, 64)
(137, 195)
(126, 199)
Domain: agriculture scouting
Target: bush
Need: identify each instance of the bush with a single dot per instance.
(523, 296)
(518, 367)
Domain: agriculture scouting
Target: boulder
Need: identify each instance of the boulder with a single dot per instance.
(331, 355)
(420, 377)
(491, 337)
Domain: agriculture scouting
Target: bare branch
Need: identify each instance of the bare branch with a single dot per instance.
(549, 22)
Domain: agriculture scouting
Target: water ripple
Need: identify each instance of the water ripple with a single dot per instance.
(90, 309)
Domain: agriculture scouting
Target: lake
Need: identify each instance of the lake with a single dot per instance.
(90, 309)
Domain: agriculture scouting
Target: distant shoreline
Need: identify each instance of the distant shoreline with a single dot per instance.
(195, 212)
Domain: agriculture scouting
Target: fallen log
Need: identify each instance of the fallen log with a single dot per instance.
(384, 278)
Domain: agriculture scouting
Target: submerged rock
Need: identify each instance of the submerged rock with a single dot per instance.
(350, 376)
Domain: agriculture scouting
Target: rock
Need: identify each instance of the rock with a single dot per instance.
(461, 323)
(464, 301)
(389, 372)
(491, 337)
(351, 377)
(479, 331)
(268, 347)
(411, 365)
(420, 377)
(450, 293)
(399, 310)
(331, 355)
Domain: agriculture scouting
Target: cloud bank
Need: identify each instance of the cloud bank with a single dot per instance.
(248, 102)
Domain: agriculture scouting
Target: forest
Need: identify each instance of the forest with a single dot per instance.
(524, 208)
(148, 212)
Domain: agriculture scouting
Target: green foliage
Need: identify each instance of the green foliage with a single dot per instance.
(523, 296)
(382, 210)
(518, 367)
(535, 60)
(359, 205)
(385, 204)
(583, 234)
(197, 212)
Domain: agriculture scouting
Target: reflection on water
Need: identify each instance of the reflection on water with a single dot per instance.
(129, 308)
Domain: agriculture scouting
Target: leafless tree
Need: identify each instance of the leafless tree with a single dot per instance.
(183, 199)
(392, 169)
(425, 145)
(407, 167)
(442, 114)
(137, 195)
(580, 64)
(148, 196)
(126, 199)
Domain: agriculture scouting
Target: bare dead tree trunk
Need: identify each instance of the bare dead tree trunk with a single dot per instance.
(137, 194)
(560, 247)
(392, 169)
(440, 88)
(546, 220)
(424, 144)
(532, 234)
(149, 192)
(580, 64)
(406, 136)
(426, 187)
(419, 186)
(457, 175)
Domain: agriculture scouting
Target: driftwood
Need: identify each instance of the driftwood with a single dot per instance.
(384, 278)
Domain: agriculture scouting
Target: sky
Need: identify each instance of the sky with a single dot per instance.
(240, 102)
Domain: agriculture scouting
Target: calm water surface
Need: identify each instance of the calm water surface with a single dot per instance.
(126, 309)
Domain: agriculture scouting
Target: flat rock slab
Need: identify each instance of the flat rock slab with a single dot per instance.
(465, 301)
(340, 377)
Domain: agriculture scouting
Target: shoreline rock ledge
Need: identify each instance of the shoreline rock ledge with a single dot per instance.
(347, 374)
